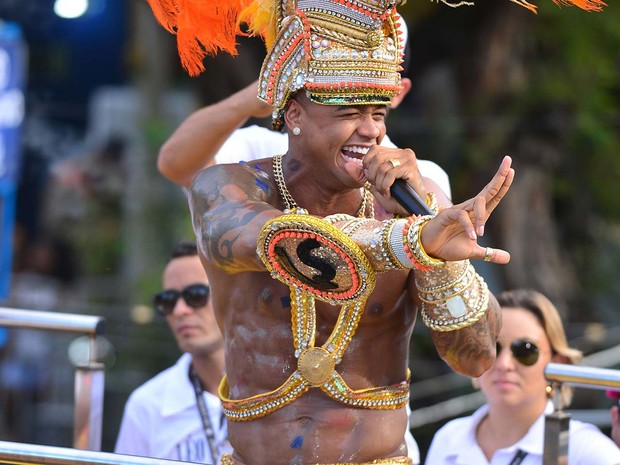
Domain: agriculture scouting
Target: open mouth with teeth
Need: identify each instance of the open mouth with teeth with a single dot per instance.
(354, 153)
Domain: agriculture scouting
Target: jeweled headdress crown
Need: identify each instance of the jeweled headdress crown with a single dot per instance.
(342, 52)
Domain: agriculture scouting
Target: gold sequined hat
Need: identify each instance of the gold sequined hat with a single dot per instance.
(342, 52)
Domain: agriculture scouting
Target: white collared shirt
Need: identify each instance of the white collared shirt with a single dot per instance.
(161, 419)
(455, 444)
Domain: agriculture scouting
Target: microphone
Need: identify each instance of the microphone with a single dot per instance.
(408, 198)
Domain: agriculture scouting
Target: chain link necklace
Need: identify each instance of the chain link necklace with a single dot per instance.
(291, 205)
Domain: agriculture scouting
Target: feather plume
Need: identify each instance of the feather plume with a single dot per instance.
(262, 20)
(588, 5)
(202, 27)
(206, 27)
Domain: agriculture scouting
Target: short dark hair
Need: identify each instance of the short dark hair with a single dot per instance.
(184, 248)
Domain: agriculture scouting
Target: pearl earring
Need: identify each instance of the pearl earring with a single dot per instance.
(296, 131)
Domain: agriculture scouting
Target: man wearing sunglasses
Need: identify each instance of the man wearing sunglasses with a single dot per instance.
(177, 414)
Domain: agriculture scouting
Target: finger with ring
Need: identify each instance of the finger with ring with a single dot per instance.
(395, 162)
(488, 254)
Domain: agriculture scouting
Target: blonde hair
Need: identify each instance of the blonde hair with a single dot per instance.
(549, 318)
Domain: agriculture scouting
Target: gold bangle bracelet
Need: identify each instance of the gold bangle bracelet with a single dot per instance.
(414, 238)
(473, 305)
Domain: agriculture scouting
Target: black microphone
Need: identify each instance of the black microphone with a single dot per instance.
(409, 198)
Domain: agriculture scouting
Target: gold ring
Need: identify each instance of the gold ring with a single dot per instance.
(395, 162)
(488, 254)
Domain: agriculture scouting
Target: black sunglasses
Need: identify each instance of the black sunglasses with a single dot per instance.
(195, 296)
(524, 352)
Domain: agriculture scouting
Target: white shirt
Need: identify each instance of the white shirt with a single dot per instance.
(413, 451)
(256, 142)
(455, 444)
(161, 419)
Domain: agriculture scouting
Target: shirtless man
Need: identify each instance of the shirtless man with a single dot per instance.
(315, 294)
(230, 205)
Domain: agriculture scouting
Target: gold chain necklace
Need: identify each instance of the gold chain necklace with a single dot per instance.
(291, 205)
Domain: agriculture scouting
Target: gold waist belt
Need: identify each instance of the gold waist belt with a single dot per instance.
(379, 398)
(227, 459)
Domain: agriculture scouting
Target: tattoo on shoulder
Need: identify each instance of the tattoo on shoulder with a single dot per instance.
(231, 203)
(224, 229)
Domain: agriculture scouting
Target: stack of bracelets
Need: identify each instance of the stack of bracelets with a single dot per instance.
(453, 295)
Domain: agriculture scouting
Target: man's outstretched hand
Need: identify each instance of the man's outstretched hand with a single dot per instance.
(453, 234)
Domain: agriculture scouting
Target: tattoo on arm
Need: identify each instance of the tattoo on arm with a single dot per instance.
(469, 351)
(224, 232)
(229, 205)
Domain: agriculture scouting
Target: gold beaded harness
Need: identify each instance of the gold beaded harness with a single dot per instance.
(353, 282)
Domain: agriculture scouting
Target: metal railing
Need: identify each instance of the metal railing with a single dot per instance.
(557, 423)
(89, 377)
(89, 386)
(22, 454)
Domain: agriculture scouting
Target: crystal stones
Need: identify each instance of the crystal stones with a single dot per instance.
(456, 306)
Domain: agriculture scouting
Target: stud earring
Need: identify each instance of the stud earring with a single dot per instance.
(296, 131)
(549, 391)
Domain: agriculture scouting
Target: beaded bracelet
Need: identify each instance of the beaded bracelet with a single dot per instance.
(452, 297)
(389, 251)
(376, 240)
(393, 242)
(403, 242)
(414, 233)
(373, 237)
(445, 290)
(459, 311)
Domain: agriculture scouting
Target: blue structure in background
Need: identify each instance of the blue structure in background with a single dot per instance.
(12, 109)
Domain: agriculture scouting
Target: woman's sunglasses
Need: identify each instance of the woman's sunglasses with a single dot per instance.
(195, 296)
(524, 352)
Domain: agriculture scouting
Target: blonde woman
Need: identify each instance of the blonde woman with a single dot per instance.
(509, 428)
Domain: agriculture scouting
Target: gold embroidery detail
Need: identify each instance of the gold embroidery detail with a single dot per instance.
(315, 365)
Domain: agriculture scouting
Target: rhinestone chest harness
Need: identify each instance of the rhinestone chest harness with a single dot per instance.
(316, 366)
